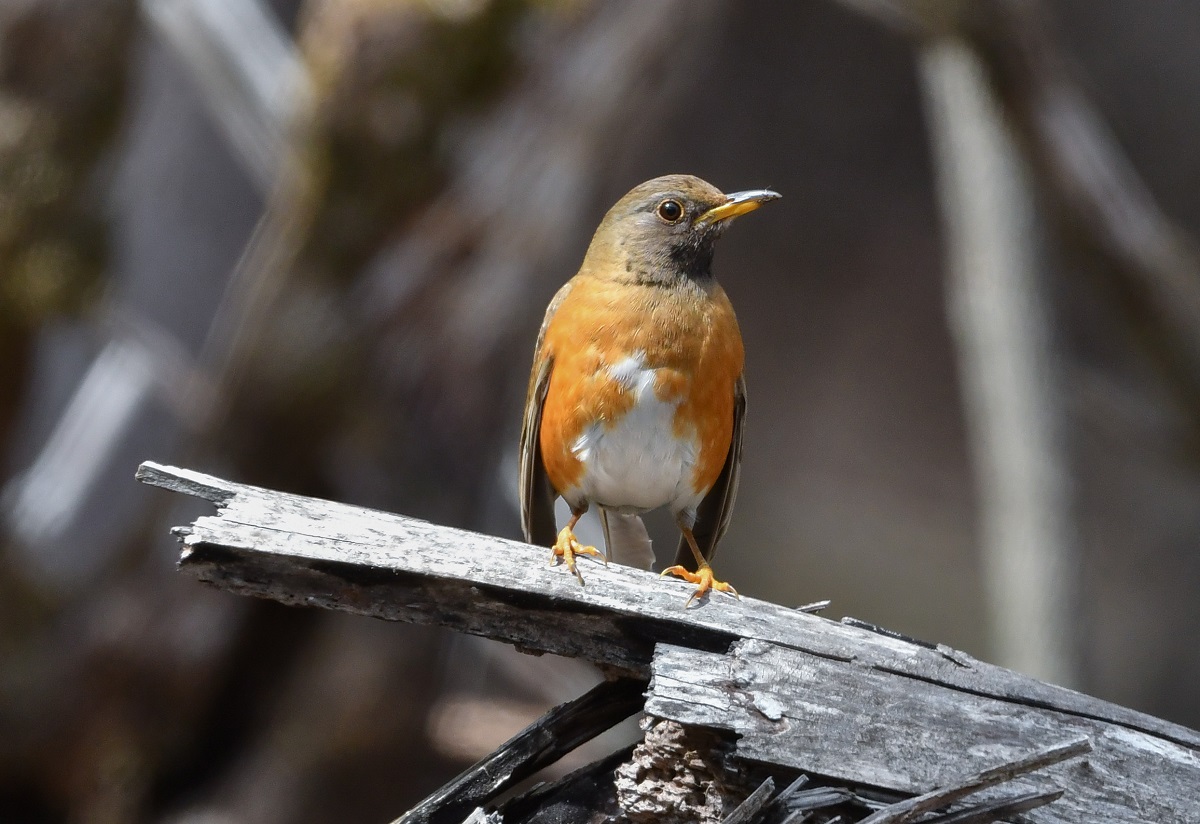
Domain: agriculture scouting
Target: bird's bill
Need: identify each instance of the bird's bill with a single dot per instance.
(739, 203)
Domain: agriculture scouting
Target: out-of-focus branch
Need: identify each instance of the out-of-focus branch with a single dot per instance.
(248, 69)
(1011, 392)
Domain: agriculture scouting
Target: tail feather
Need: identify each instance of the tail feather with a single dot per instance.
(626, 540)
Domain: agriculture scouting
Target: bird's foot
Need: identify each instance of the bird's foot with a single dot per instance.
(704, 580)
(567, 546)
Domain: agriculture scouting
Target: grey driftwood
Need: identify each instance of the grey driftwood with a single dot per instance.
(891, 728)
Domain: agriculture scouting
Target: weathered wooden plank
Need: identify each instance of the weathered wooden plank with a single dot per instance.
(810, 713)
(310, 552)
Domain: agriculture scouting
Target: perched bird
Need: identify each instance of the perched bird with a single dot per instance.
(637, 398)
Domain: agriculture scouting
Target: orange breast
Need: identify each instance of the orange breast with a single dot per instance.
(689, 336)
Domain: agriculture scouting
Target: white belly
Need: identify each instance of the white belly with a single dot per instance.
(637, 463)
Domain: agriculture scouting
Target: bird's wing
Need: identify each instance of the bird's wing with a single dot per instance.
(714, 512)
(536, 492)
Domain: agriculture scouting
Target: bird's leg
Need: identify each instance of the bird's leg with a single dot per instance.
(567, 546)
(703, 577)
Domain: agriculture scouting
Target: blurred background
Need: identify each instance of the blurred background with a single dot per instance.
(307, 244)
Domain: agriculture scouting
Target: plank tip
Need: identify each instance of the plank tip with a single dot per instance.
(187, 481)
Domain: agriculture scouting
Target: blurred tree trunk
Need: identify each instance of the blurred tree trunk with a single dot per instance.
(996, 269)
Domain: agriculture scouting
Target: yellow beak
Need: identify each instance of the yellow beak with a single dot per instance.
(738, 203)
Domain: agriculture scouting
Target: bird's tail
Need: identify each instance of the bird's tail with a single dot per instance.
(626, 540)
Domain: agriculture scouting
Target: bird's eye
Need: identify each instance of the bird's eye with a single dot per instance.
(670, 210)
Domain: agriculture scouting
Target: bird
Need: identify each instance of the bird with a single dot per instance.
(637, 398)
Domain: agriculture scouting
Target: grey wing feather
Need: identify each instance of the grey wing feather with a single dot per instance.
(715, 511)
(536, 492)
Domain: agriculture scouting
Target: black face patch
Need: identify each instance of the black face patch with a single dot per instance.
(692, 255)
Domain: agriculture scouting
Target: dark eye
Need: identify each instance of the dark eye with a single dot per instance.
(670, 210)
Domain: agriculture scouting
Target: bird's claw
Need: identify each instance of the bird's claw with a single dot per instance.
(567, 546)
(704, 580)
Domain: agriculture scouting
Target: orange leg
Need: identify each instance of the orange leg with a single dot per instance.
(703, 577)
(567, 546)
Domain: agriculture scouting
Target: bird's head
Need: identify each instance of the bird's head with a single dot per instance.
(664, 230)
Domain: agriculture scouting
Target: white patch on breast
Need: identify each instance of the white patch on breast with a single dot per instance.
(637, 464)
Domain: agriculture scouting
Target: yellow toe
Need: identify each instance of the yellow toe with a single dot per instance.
(567, 546)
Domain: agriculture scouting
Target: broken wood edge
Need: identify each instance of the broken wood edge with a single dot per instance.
(982, 780)
(998, 810)
(753, 805)
(187, 481)
(543, 742)
(804, 804)
(817, 798)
